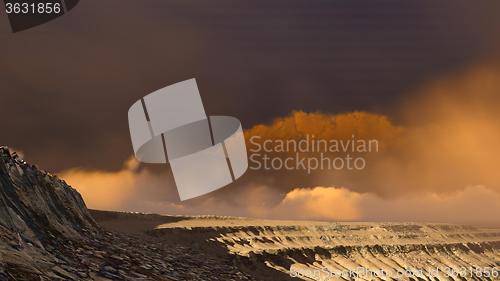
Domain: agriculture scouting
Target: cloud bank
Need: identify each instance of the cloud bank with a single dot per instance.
(440, 164)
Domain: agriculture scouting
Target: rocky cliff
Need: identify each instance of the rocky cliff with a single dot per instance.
(47, 233)
(39, 215)
(36, 204)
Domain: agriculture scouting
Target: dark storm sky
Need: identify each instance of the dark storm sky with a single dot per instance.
(66, 86)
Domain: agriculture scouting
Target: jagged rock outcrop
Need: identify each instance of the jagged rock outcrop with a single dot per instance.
(47, 233)
(38, 205)
(39, 215)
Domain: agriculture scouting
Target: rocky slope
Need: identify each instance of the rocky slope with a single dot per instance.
(36, 211)
(38, 205)
(47, 233)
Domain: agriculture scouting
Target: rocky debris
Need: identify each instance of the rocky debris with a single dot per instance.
(120, 256)
(114, 256)
(47, 233)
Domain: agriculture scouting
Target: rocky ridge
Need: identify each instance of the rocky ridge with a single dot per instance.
(37, 204)
(47, 233)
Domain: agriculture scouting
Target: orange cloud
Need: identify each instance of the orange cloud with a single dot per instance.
(103, 190)
(321, 203)
(472, 205)
(328, 126)
(129, 189)
(441, 158)
(448, 140)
